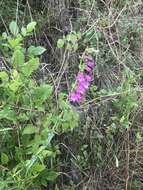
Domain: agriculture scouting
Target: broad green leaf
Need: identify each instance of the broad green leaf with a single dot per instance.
(23, 117)
(42, 93)
(60, 43)
(48, 153)
(70, 120)
(15, 84)
(31, 26)
(15, 42)
(4, 77)
(18, 58)
(32, 50)
(23, 31)
(4, 35)
(39, 50)
(15, 74)
(4, 158)
(14, 28)
(8, 114)
(29, 129)
(71, 38)
(38, 168)
(30, 66)
(51, 175)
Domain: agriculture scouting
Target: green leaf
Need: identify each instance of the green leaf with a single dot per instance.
(8, 114)
(31, 26)
(4, 77)
(30, 66)
(4, 158)
(42, 93)
(15, 84)
(14, 28)
(4, 35)
(51, 175)
(15, 42)
(23, 117)
(23, 31)
(14, 74)
(29, 129)
(32, 50)
(18, 58)
(60, 43)
(71, 38)
(38, 168)
(39, 50)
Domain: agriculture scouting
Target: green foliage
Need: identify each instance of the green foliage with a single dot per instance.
(14, 28)
(127, 102)
(29, 117)
(34, 51)
(70, 41)
(4, 159)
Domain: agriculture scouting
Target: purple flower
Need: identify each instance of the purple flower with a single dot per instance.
(88, 78)
(85, 84)
(75, 97)
(88, 69)
(90, 64)
(89, 61)
(80, 77)
(83, 81)
(81, 89)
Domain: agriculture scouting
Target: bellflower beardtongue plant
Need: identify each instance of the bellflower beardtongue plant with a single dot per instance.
(83, 80)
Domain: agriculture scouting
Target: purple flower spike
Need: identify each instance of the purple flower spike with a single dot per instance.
(80, 77)
(88, 78)
(89, 61)
(81, 89)
(83, 80)
(75, 97)
(90, 64)
(85, 84)
(88, 69)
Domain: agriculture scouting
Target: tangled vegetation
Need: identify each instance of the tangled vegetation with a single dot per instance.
(71, 95)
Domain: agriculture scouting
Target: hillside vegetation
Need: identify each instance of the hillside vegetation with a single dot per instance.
(71, 95)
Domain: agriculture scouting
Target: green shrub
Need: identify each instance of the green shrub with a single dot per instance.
(29, 116)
